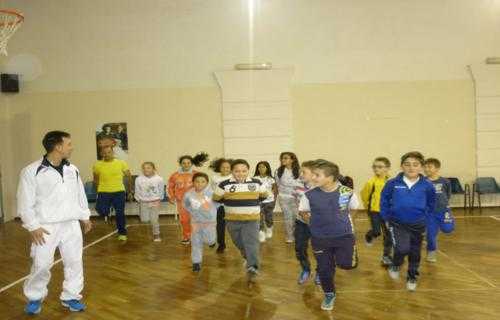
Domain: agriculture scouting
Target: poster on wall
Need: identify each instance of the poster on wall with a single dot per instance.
(114, 135)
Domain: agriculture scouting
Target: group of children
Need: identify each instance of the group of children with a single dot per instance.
(315, 200)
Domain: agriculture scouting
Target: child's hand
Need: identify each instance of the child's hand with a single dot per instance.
(87, 225)
(306, 216)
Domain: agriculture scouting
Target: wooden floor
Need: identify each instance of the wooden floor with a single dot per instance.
(146, 280)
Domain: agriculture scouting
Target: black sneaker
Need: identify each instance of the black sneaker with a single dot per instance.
(368, 240)
(185, 242)
(386, 261)
(212, 245)
(196, 267)
(221, 248)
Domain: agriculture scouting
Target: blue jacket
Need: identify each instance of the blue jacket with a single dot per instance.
(400, 204)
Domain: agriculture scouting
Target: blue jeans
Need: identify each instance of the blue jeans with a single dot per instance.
(106, 200)
(438, 221)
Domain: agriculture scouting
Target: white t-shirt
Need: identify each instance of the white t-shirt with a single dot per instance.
(267, 183)
(410, 183)
(217, 179)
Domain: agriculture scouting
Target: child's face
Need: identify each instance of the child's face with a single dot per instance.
(411, 168)
(320, 179)
(225, 168)
(186, 164)
(107, 154)
(148, 170)
(379, 168)
(306, 174)
(262, 169)
(286, 160)
(240, 172)
(431, 170)
(200, 184)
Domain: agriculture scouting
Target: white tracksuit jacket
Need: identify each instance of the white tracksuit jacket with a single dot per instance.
(44, 196)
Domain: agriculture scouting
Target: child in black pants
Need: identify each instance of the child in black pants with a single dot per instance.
(406, 202)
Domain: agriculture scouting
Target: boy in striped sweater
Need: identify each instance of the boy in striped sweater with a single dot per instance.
(242, 196)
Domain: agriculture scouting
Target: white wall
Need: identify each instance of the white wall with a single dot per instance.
(120, 44)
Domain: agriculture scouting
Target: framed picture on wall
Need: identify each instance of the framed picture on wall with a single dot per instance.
(114, 135)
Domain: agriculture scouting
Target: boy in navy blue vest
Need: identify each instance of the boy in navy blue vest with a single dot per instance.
(332, 234)
(406, 202)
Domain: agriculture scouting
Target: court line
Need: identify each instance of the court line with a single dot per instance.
(85, 247)
(495, 218)
(404, 290)
(468, 270)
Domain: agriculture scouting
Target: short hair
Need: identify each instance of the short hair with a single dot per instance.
(329, 168)
(310, 164)
(386, 161)
(415, 155)
(149, 163)
(433, 161)
(200, 175)
(53, 138)
(239, 161)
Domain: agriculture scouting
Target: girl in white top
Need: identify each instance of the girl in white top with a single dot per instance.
(263, 173)
(149, 191)
(222, 169)
(287, 180)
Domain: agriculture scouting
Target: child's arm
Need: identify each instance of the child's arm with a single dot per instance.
(171, 188)
(218, 194)
(304, 208)
(161, 188)
(263, 193)
(187, 203)
(448, 189)
(365, 194)
(431, 199)
(138, 191)
(385, 202)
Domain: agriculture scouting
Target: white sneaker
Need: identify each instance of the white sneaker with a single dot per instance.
(289, 240)
(411, 284)
(431, 256)
(156, 238)
(269, 233)
(393, 272)
(262, 236)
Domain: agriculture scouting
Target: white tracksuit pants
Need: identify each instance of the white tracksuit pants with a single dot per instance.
(67, 236)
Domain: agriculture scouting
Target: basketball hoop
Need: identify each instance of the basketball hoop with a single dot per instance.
(10, 20)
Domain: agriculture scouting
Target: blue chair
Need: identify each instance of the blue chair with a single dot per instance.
(456, 189)
(90, 191)
(484, 185)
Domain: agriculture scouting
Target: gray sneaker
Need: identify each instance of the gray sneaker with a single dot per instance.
(431, 256)
(252, 274)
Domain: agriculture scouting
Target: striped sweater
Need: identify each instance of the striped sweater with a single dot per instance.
(241, 199)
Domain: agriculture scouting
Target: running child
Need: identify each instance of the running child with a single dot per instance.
(149, 191)
(263, 173)
(406, 203)
(327, 208)
(370, 195)
(242, 196)
(222, 169)
(198, 202)
(179, 183)
(441, 218)
(287, 179)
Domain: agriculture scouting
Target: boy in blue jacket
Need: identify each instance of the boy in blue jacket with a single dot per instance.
(406, 202)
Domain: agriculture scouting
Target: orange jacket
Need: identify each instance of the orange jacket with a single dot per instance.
(179, 183)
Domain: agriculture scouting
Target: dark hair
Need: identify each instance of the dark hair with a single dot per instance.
(433, 161)
(386, 161)
(217, 163)
(198, 160)
(347, 181)
(415, 155)
(310, 164)
(328, 168)
(239, 161)
(268, 168)
(53, 138)
(295, 165)
(148, 163)
(199, 175)
(107, 125)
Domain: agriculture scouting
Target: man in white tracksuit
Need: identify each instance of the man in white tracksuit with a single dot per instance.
(51, 202)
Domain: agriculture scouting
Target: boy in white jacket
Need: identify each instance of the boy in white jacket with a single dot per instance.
(51, 201)
(149, 191)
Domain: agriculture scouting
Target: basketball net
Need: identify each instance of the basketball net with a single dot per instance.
(10, 20)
